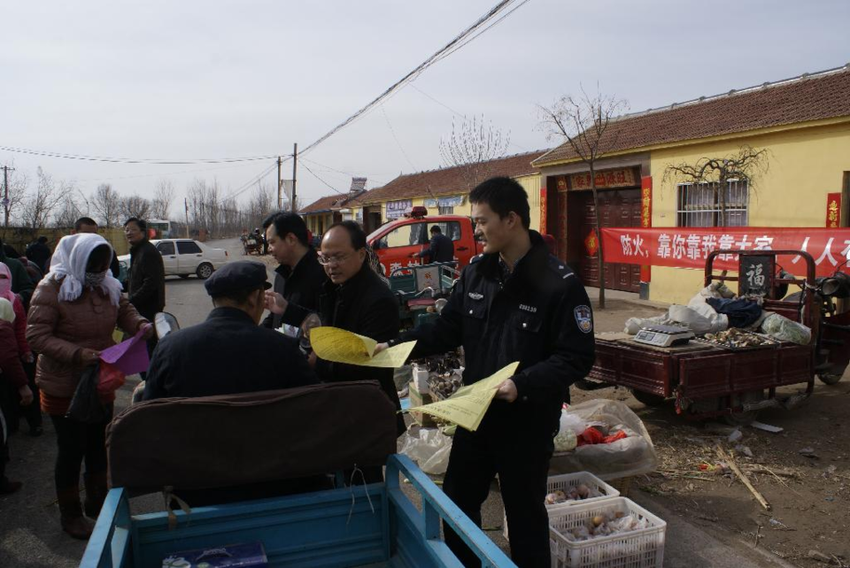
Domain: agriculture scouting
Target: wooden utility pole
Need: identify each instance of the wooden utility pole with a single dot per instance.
(294, 170)
(279, 186)
(186, 206)
(6, 193)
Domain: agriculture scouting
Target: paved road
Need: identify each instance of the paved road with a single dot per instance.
(29, 530)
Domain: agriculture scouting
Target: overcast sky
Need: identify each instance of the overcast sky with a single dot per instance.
(214, 79)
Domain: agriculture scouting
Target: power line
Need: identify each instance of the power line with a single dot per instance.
(256, 179)
(397, 141)
(443, 52)
(321, 180)
(146, 161)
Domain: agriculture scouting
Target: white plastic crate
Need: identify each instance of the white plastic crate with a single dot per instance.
(566, 482)
(642, 548)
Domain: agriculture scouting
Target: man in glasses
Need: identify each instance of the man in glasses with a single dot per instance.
(355, 299)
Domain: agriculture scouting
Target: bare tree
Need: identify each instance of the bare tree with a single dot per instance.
(716, 174)
(106, 204)
(583, 123)
(18, 185)
(471, 145)
(262, 203)
(135, 206)
(162, 199)
(68, 212)
(37, 209)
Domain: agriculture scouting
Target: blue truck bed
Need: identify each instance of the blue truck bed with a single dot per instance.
(372, 525)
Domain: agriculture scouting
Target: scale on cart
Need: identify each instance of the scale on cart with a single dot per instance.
(663, 335)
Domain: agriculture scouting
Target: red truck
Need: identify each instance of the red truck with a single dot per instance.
(397, 240)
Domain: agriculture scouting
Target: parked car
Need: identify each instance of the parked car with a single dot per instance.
(396, 241)
(183, 257)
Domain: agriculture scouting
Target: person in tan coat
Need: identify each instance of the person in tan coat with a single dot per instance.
(72, 316)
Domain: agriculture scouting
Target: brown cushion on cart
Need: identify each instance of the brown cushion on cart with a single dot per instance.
(223, 441)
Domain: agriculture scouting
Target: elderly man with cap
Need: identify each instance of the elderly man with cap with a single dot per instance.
(228, 353)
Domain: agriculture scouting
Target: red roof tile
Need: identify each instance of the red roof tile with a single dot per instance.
(809, 98)
(449, 181)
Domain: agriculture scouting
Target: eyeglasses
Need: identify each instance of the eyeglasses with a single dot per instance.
(333, 260)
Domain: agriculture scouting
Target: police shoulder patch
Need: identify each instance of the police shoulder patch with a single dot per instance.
(584, 318)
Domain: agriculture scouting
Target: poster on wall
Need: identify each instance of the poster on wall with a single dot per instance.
(396, 209)
(688, 247)
(645, 219)
(543, 210)
(455, 201)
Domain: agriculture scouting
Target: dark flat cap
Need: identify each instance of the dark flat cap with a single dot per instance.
(237, 276)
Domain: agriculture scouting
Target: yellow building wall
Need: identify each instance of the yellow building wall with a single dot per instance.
(804, 165)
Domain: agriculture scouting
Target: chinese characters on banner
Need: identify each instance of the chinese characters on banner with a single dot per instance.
(833, 210)
(645, 218)
(396, 209)
(688, 247)
(542, 210)
(605, 179)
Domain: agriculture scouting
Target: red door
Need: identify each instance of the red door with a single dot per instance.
(617, 208)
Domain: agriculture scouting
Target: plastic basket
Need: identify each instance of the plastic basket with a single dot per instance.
(566, 482)
(642, 548)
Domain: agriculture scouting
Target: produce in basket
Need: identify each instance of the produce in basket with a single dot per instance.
(606, 525)
(574, 494)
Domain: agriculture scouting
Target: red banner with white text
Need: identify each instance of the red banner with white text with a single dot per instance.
(688, 247)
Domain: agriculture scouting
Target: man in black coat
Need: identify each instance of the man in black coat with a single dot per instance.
(441, 249)
(39, 253)
(146, 280)
(299, 278)
(230, 354)
(515, 302)
(355, 299)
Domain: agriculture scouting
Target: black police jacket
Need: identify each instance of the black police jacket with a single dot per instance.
(366, 306)
(441, 249)
(301, 286)
(146, 280)
(226, 354)
(539, 315)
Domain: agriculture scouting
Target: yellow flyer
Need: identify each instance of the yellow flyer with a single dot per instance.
(467, 406)
(340, 346)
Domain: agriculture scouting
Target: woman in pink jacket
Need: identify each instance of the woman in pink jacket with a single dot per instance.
(32, 413)
(72, 315)
(11, 372)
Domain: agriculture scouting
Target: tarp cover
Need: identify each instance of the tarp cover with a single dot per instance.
(222, 441)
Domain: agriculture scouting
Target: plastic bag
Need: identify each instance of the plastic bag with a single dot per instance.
(86, 406)
(781, 328)
(428, 447)
(571, 426)
(110, 379)
(634, 455)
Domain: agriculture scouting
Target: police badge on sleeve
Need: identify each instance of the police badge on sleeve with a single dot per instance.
(584, 318)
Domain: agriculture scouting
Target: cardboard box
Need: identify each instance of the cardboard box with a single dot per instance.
(246, 555)
(418, 399)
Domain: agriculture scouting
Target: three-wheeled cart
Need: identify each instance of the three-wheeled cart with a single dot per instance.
(707, 380)
(353, 525)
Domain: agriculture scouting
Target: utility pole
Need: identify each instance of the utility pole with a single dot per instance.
(186, 206)
(294, 169)
(279, 186)
(6, 193)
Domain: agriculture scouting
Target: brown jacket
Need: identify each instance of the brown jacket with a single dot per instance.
(60, 330)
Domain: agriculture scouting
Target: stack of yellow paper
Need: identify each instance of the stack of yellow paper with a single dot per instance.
(340, 346)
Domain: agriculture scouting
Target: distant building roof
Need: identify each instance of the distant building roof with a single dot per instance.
(448, 181)
(333, 203)
(801, 99)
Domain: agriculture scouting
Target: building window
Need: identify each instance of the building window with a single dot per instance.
(699, 205)
(446, 210)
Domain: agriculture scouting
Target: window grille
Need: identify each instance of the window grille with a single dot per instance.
(699, 204)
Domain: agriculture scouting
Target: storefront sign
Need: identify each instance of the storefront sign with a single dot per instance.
(455, 201)
(396, 209)
(645, 219)
(833, 210)
(542, 210)
(688, 247)
(606, 179)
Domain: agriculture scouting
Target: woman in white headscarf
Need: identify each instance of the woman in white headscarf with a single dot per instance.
(72, 316)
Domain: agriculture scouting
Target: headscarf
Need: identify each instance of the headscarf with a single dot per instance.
(6, 283)
(7, 312)
(69, 265)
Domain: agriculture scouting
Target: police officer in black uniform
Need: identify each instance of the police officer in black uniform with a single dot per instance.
(515, 302)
